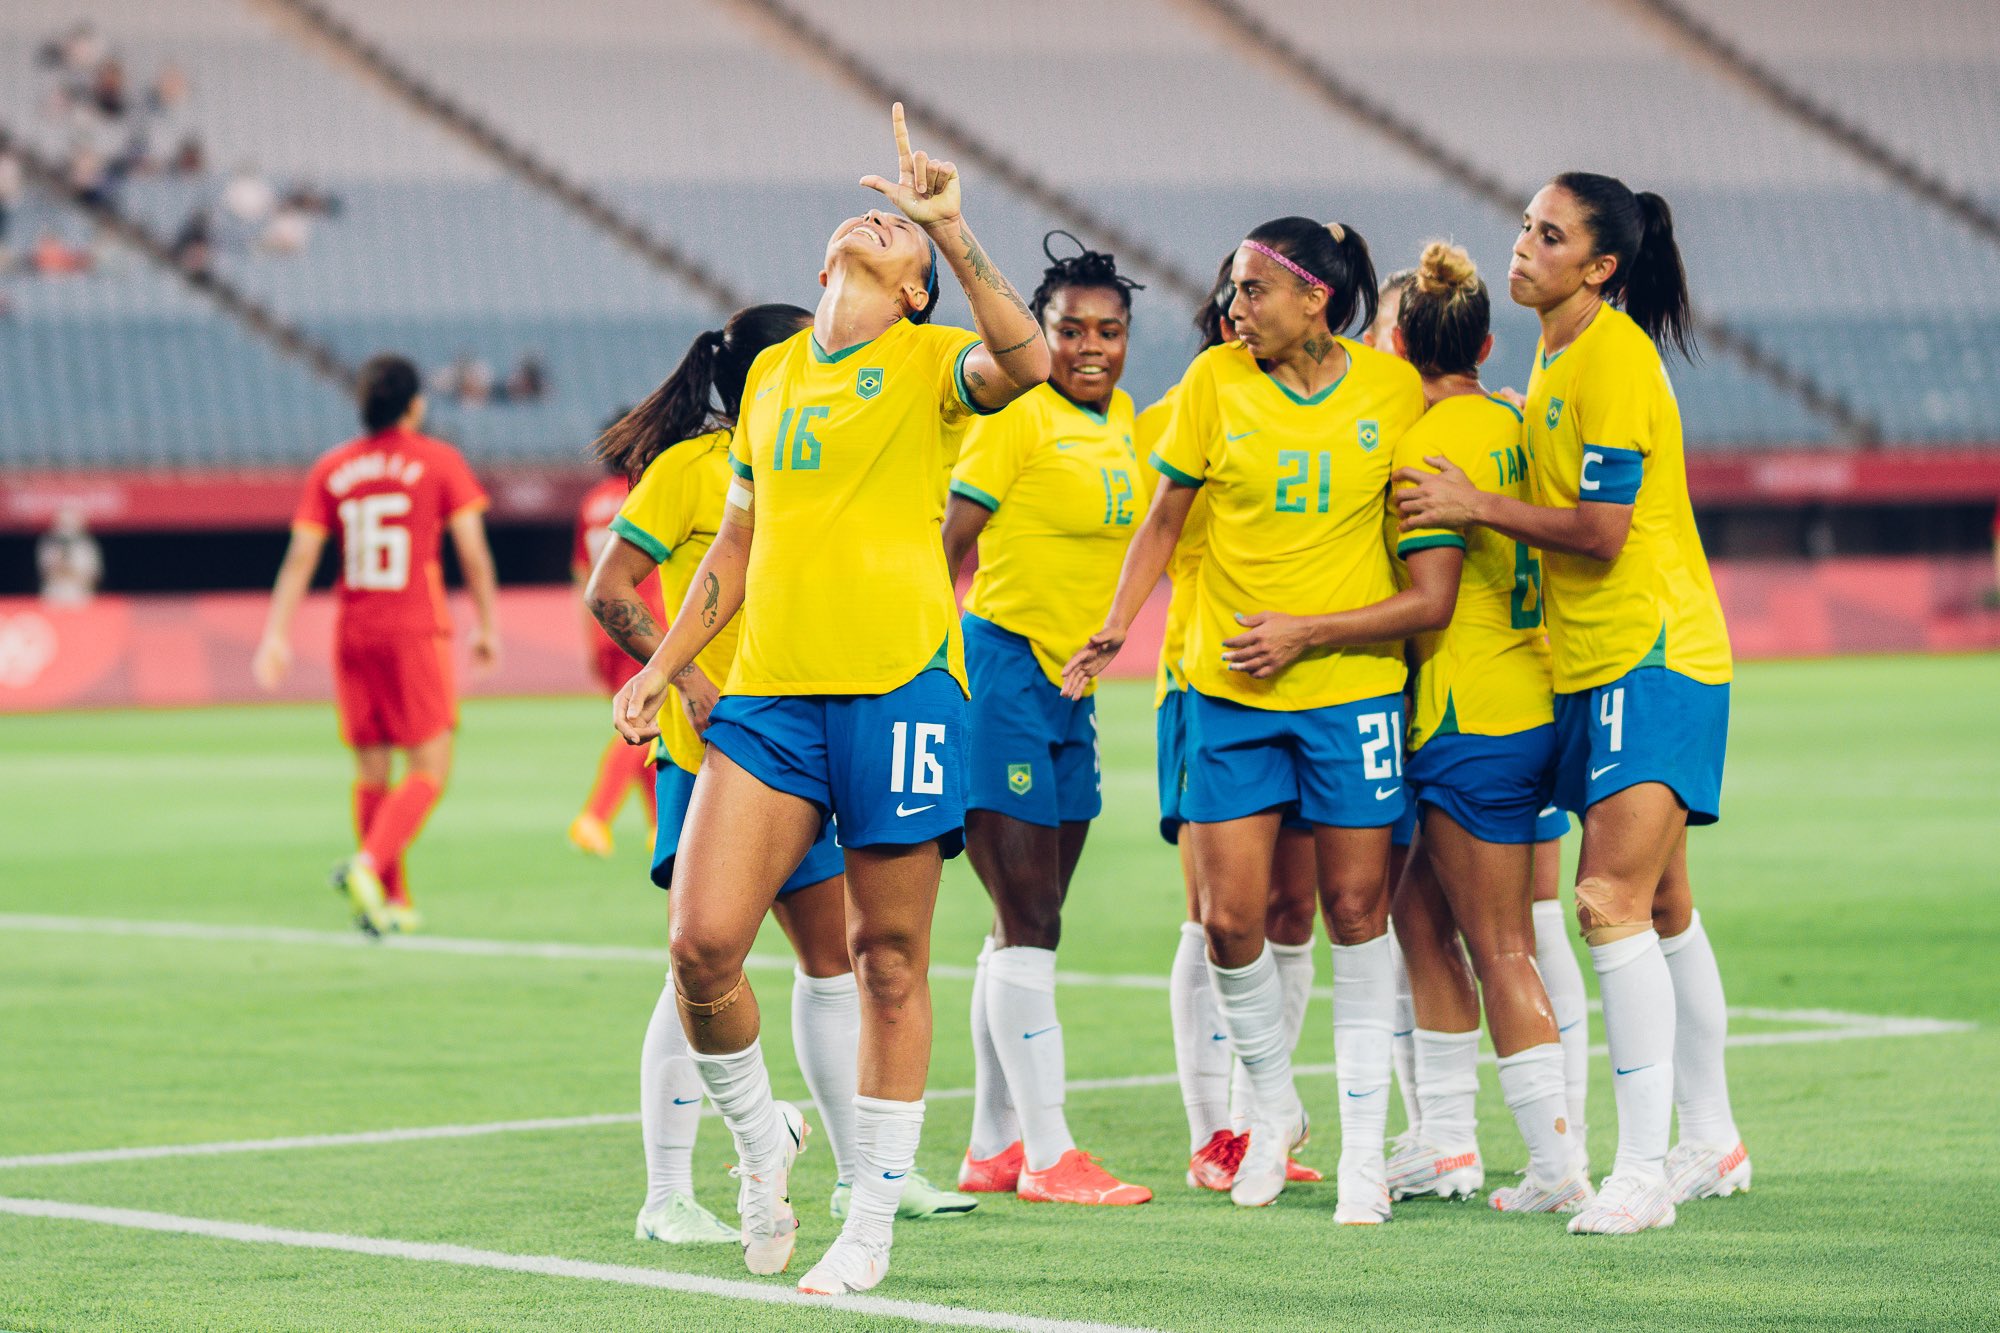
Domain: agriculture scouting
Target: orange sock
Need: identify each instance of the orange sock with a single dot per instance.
(618, 769)
(401, 815)
(368, 798)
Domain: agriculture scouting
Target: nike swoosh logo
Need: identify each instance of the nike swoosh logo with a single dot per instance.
(1571, 1025)
(1220, 1036)
(1633, 1070)
(1384, 793)
(1030, 1036)
(1370, 1093)
(1404, 1033)
(763, 391)
(894, 1175)
(1062, 445)
(686, 1101)
(1240, 435)
(1597, 773)
(913, 810)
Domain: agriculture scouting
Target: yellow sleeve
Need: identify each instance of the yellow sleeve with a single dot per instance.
(954, 398)
(659, 514)
(1615, 407)
(996, 448)
(1411, 450)
(1184, 449)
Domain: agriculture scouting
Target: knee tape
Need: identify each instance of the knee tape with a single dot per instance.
(1598, 914)
(710, 1008)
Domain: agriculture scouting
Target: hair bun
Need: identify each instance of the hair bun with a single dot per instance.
(1446, 269)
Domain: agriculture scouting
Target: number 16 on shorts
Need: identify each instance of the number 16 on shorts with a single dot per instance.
(914, 765)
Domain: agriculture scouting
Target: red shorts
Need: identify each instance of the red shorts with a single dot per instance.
(396, 691)
(614, 667)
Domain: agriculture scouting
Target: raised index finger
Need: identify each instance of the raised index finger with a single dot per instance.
(902, 139)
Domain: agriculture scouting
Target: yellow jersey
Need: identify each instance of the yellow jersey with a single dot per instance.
(847, 591)
(673, 515)
(1487, 672)
(1297, 491)
(1185, 564)
(1066, 495)
(1603, 425)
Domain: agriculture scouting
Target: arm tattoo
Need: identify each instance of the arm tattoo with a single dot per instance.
(629, 624)
(685, 672)
(1015, 347)
(711, 588)
(1319, 348)
(982, 269)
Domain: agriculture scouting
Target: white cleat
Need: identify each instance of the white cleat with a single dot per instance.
(1568, 1195)
(1261, 1177)
(1625, 1205)
(1362, 1182)
(1421, 1169)
(763, 1200)
(682, 1221)
(849, 1266)
(1707, 1170)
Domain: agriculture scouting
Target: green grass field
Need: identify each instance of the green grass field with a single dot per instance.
(1850, 885)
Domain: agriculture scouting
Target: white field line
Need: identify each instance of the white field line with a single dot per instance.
(551, 1266)
(1859, 1028)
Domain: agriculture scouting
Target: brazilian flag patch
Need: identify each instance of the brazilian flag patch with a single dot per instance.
(868, 381)
(1020, 778)
(1370, 434)
(1555, 412)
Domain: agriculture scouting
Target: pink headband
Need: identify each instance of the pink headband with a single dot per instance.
(1277, 258)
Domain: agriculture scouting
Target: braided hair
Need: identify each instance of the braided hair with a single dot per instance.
(1089, 268)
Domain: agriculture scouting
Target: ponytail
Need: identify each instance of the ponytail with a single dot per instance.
(704, 392)
(1445, 313)
(1336, 256)
(1649, 282)
(1212, 313)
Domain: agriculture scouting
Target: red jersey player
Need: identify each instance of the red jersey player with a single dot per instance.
(390, 496)
(621, 766)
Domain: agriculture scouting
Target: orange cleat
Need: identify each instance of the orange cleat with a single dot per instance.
(998, 1174)
(1298, 1173)
(1077, 1178)
(1214, 1166)
(590, 835)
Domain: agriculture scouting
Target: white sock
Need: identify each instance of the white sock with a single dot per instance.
(1295, 980)
(1532, 1083)
(826, 1038)
(1364, 1014)
(1021, 1018)
(1448, 1075)
(1201, 1046)
(1242, 1096)
(1556, 961)
(885, 1143)
(740, 1087)
(1638, 996)
(1253, 1010)
(994, 1124)
(669, 1104)
(1404, 1035)
(1701, 1023)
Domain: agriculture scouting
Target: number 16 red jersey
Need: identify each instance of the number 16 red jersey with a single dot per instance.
(387, 500)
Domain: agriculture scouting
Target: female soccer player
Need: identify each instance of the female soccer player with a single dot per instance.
(1642, 666)
(847, 695)
(1050, 490)
(1482, 747)
(677, 445)
(1215, 1088)
(1289, 433)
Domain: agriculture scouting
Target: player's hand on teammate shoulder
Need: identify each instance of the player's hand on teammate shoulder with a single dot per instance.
(1446, 498)
(925, 189)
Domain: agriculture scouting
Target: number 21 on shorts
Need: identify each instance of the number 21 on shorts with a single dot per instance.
(915, 768)
(1381, 745)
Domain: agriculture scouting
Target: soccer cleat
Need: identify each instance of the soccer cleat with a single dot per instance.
(921, 1199)
(1298, 1173)
(402, 918)
(1260, 1177)
(682, 1221)
(1568, 1195)
(1707, 1170)
(1077, 1178)
(1625, 1205)
(847, 1267)
(1363, 1198)
(1425, 1169)
(998, 1174)
(770, 1227)
(1213, 1166)
(590, 835)
(363, 889)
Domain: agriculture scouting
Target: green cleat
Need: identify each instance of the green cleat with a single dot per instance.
(684, 1222)
(402, 918)
(921, 1199)
(362, 888)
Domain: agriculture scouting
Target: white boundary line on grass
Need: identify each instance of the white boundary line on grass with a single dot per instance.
(1851, 1027)
(551, 1266)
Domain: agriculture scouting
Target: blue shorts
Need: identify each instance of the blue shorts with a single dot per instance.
(1493, 787)
(1551, 824)
(1170, 759)
(890, 767)
(674, 786)
(1339, 766)
(1649, 725)
(1030, 753)
(1404, 831)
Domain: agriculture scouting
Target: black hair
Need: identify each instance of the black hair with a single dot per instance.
(703, 393)
(385, 388)
(1337, 256)
(930, 289)
(1445, 314)
(1649, 283)
(1209, 316)
(1088, 268)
